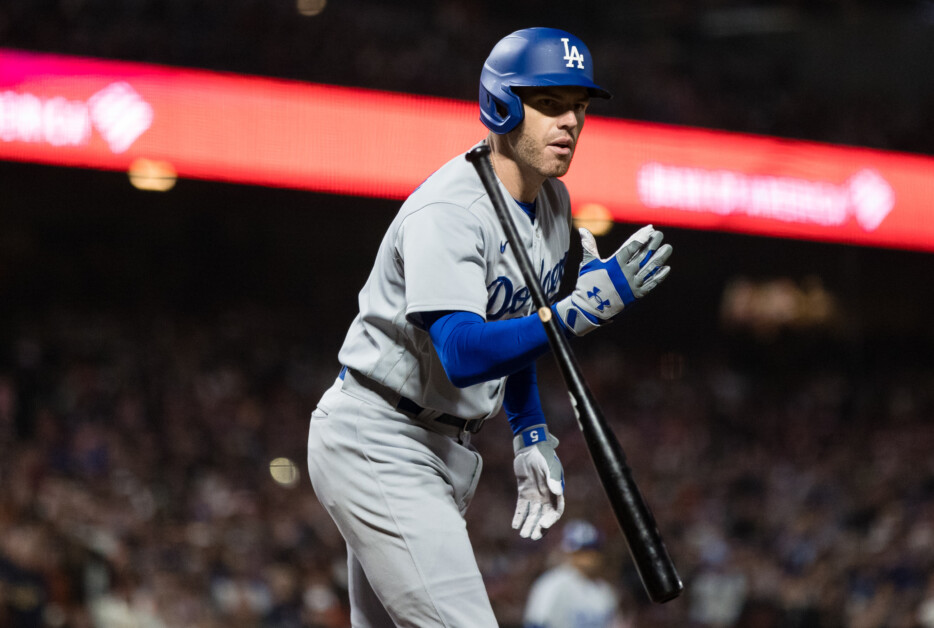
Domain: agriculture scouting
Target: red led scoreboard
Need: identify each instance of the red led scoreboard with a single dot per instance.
(206, 125)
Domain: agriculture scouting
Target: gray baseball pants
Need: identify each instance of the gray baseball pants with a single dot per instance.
(398, 488)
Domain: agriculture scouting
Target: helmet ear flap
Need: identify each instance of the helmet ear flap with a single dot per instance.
(500, 115)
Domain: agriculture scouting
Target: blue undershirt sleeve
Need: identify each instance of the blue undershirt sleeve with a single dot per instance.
(473, 350)
(521, 402)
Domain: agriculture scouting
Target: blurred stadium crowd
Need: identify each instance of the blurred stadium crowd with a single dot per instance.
(134, 448)
(137, 491)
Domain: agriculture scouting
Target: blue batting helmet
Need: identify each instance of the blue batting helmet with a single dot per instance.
(580, 535)
(531, 57)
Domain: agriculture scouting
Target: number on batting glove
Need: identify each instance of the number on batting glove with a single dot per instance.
(541, 482)
(606, 286)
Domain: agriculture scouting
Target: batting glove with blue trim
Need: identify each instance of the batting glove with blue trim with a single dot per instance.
(541, 482)
(606, 286)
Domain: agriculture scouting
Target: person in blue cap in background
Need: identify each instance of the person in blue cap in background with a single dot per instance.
(574, 593)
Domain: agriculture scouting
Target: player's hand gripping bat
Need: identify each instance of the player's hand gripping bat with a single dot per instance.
(648, 551)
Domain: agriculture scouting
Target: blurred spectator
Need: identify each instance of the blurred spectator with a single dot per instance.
(23, 590)
(574, 593)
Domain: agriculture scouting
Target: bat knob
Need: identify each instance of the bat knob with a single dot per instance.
(478, 152)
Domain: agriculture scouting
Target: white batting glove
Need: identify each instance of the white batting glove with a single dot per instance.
(541, 482)
(606, 286)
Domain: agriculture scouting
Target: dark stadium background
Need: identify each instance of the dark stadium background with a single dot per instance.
(793, 458)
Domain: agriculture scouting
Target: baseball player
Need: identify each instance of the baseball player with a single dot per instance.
(573, 594)
(445, 337)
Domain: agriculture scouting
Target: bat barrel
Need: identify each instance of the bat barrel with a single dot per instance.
(643, 538)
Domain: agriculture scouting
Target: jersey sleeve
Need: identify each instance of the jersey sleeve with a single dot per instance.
(442, 253)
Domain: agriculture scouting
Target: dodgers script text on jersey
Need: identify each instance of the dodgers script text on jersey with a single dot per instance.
(505, 299)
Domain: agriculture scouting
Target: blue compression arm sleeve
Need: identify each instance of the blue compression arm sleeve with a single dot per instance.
(473, 351)
(521, 402)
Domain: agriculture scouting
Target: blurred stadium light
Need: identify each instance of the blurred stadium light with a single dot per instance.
(311, 7)
(152, 176)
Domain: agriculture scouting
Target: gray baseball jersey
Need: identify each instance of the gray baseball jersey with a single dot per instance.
(446, 250)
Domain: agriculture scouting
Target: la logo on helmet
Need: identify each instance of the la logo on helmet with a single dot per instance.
(571, 55)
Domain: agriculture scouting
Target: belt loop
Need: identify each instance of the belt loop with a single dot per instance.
(362, 386)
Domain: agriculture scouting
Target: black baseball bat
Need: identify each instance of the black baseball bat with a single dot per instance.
(648, 551)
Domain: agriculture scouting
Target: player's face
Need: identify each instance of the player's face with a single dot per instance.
(588, 562)
(547, 137)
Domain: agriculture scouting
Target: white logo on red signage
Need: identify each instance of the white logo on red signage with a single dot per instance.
(871, 198)
(120, 115)
(56, 121)
(866, 196)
